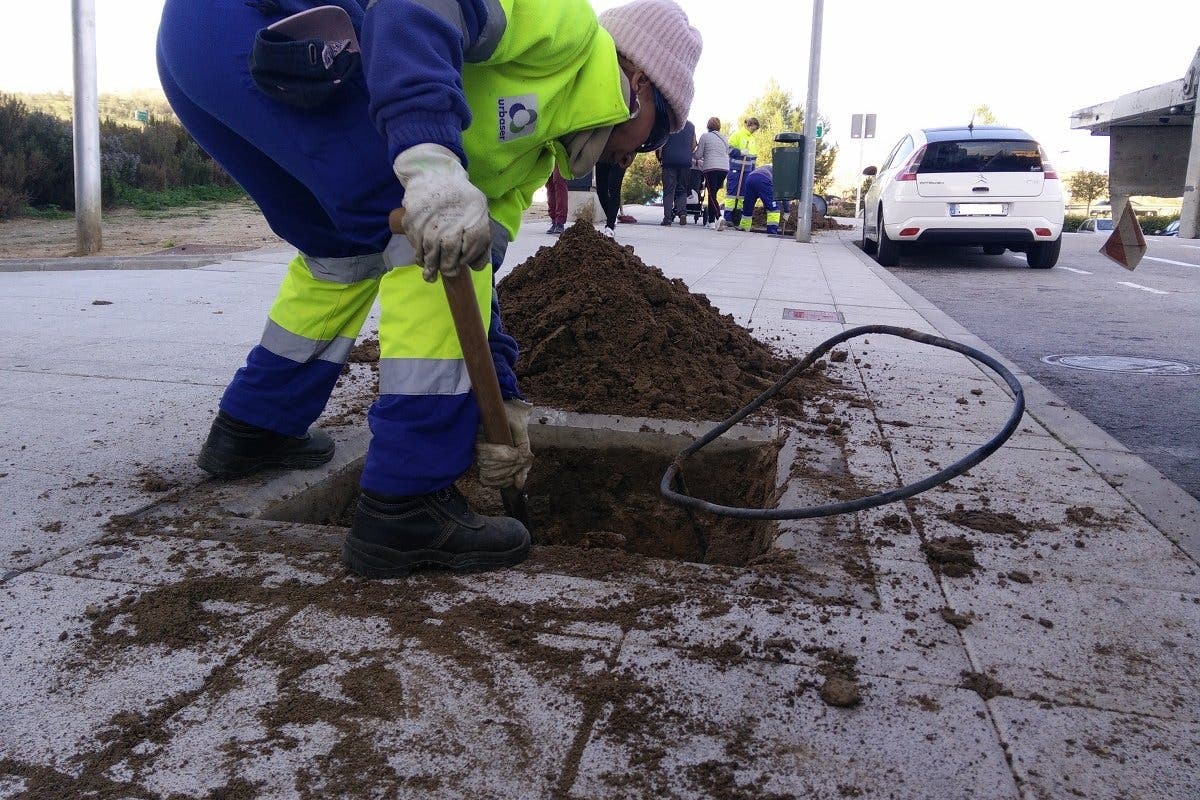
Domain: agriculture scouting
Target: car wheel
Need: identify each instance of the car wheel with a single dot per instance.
(867, 245)
(1043, 255)
(887, 252)
(994, 249)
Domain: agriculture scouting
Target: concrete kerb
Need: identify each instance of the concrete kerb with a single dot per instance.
(80, 264)
(153, 261)
(1167, 507)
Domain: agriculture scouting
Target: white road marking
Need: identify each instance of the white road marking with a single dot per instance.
(1077, 271)
(1193, 246)
(1169, 261)
(1143, 288)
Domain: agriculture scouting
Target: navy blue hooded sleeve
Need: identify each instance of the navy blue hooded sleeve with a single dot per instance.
(413, 59)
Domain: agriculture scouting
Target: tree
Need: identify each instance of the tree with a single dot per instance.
(1087, 186)
(776, 112)
(641, 180)
(982, 115)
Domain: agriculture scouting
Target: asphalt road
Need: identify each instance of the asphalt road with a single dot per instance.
(1087, 305)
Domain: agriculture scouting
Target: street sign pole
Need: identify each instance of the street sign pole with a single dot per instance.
(858, 180)
(804, 229)
(862, 127)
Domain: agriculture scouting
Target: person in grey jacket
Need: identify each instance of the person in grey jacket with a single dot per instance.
(712, 155)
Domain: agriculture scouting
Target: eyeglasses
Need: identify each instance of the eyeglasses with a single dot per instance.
(662, 123)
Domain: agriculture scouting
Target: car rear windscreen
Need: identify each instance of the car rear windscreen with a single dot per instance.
(982, 156)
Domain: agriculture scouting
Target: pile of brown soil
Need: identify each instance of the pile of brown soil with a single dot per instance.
(601, 332)
(819, 221)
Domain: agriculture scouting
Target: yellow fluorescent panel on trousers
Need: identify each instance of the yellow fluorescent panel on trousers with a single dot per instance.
(321, 310)
(415, 320)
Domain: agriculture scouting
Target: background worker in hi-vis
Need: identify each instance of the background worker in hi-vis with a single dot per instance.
(331, 116)
(743, 155)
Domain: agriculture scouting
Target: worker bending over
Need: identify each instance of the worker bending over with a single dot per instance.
(331, 116)
(761, 186)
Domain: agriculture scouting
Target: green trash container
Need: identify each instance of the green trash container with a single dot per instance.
(787, 161)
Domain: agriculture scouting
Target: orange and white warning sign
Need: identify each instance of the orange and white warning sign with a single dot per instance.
(1127, 244)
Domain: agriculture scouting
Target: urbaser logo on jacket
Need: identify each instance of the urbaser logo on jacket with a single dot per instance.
(518, 116)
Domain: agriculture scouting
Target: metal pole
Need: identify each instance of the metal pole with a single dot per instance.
(86, 128)
(858, 178)
(804, 229)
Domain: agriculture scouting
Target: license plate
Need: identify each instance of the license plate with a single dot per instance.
(977, 210)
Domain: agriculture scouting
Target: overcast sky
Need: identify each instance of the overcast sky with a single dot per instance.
(915, 64)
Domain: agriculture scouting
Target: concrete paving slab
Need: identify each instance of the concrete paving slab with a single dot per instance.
(61, 696)
(1116, 648)
(1105, 548)
(899, 634)
(440, 711)
(1063, 752)
(698, 728)
(1040, 475)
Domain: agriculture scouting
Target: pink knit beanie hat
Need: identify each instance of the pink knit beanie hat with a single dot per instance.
(656, 36)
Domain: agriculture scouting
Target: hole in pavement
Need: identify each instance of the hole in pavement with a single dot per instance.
(607, 497)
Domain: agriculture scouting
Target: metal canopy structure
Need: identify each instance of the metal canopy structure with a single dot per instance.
(1154, 144)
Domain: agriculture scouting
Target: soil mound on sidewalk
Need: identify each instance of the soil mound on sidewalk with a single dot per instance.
(604, 333)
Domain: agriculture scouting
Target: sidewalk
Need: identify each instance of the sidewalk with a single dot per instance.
(1028, 630)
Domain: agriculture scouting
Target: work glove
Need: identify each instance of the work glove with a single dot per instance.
(445, 216)
(502, 465)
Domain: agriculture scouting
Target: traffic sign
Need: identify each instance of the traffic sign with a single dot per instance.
(862, 126)
(820, 130)
(1127, 244)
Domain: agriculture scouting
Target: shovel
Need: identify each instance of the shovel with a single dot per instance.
(472, 338)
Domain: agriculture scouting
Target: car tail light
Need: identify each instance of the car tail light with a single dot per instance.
(1042, 231)
(909, 231)
(909, 173)
(1048, 172)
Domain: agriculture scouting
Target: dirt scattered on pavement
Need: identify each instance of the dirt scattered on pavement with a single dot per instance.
(983, 684)
(956, 619)
(952, 556)
(986, 520)
(840, 688)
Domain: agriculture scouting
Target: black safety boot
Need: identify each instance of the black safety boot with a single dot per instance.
(392, 537)
(235, 448)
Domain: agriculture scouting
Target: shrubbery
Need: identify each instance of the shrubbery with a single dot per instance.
(1150, 225)
(1071, 222)
(137, 162)
(643, 180)
(1154, 225)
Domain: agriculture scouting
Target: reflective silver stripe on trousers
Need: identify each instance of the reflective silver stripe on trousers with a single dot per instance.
(350, 269)
(489, 38)
(423, 376)
(301, 349)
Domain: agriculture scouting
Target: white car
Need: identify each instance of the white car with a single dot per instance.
(1096, 225)
(974, 185)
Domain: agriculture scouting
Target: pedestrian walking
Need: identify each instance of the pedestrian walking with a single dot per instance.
(456, 110)
(609, 178)
(712, 156)
(556, 198)
(676, 158)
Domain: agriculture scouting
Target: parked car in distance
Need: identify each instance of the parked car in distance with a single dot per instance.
(1171, 230)
(971, 185)
(1096, 225)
